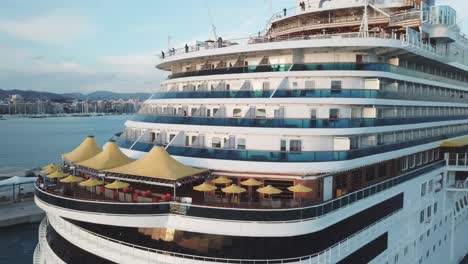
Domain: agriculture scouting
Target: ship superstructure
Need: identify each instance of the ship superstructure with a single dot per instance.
(336, 135)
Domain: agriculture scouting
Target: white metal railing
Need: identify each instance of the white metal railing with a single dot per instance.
(408, 43)
(42, 231)
(460, 185)
(337, 251)
(456, 159)
(37, 254)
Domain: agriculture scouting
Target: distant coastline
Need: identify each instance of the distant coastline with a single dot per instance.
(5, 117)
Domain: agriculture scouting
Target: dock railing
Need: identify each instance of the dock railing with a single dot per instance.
(15, 193)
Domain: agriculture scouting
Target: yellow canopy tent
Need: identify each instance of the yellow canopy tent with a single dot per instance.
(109, 158)
(57, 175)
(117, 185)
(456, 143)
(86, 150)
(222, 180)
(157, 164)
(71, 179)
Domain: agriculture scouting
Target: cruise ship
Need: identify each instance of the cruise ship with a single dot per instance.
(338, 134)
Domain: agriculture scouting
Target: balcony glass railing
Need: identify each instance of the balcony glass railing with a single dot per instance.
(282, 156)
(308, 93)
(382, 67)
(290, 122)
(234, 70)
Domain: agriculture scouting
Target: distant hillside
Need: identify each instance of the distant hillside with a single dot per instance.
(99, 95)
(32, 94)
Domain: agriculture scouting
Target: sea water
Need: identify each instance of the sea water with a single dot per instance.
(28, 143)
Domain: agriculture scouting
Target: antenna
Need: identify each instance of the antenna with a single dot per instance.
(364, 28)
(213, 27)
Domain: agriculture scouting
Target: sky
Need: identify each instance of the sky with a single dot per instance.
(92, 45)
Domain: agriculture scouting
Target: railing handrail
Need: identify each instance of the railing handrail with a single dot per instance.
(252, 39)
(302, 119)
(176, 254)
(326, 66)
(260, 209)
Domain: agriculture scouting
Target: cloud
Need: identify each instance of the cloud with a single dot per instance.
(52, 29)
(137, 64)
(23, 69)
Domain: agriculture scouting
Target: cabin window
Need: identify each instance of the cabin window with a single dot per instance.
(309, 85)
(283, 145)
(260, 113)
(237, 112)
(313, 113)
(216, 142)
(241, 143)
(334, 113)
(336, 86)
(295, 145)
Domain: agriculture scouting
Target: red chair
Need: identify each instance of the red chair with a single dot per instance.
(168, 196)
(116, 194)
(125, 190)
(155, 199)
(101, 189)
(135, 197)
(163, 197)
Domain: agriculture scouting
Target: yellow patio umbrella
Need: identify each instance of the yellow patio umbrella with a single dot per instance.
(71, 179)
(269, 190)
(233, 189)
(91, 182)
(251, 182)
(117, 185)
(222, 180)
(50, 170)
(57, 175)
(205, 187)
(299, 188)
(52, 165)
